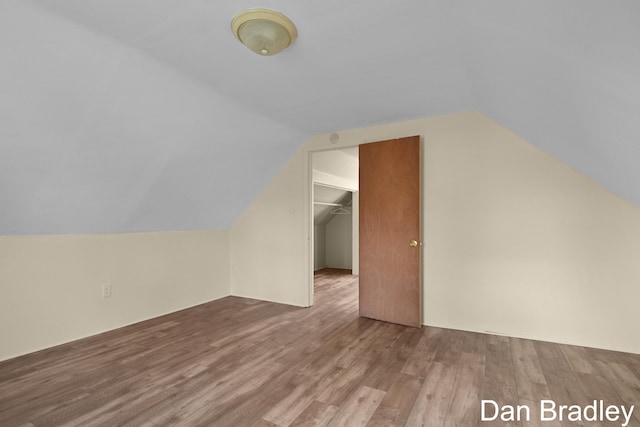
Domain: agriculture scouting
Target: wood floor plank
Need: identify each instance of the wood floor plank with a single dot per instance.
(358, 408)
(530, 380)
(563, 384)
(578, 359)
(423, 353)
(594, 387)
(626, 383)
(464, 408)
(449, 347)
(432, 404)
(241, 362)
(499, 383)
(262, 423)
(344, 385)
(253, 406)
(317, 414)
(398, 402)
(305, 393)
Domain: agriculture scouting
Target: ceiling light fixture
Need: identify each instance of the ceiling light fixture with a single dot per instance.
(265, 32)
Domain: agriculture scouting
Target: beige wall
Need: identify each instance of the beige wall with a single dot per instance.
(516, 242)
(50, 286)
(269, 242)
(519, 243)
(338, 239)
(320, 249)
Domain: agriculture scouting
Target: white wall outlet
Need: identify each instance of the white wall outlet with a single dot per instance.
(106, 290)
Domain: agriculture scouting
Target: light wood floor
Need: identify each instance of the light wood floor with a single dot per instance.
(240, 362)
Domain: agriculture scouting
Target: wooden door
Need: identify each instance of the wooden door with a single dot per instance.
(390, 231)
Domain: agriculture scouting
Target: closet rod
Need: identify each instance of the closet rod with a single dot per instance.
(327, 204)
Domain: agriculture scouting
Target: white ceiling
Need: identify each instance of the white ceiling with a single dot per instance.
(148, 115)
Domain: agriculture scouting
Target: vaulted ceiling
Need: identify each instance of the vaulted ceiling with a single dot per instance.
(137, 115)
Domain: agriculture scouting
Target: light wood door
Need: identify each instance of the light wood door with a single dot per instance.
(389, 280)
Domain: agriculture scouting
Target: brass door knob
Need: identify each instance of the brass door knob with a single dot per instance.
(413, 243)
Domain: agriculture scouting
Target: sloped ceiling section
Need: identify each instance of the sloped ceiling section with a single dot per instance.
(98, 137)
(134, 115)
(565, 75)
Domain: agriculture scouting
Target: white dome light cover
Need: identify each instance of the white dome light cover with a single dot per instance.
(265, 32)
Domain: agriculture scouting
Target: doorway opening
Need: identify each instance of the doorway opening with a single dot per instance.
(386, 231)
(334, 197)
(332, 227)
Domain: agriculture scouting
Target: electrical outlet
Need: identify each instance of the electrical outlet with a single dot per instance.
(106, 290)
